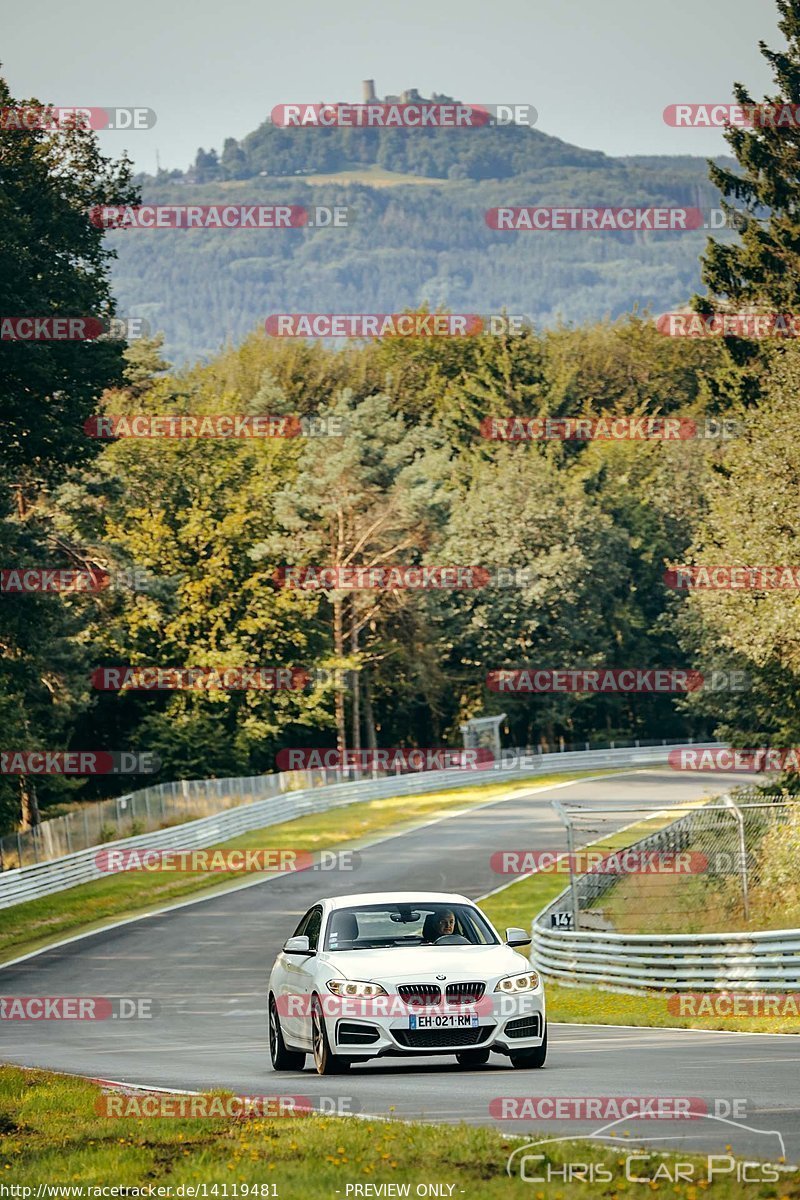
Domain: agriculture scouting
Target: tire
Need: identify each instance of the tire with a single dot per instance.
(472, 1058)
(326, 1062)
(282, 1059)
(531, 1058)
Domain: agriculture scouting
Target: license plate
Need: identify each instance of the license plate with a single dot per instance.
(448, 1021)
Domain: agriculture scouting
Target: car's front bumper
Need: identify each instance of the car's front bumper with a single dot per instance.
(515, 1023)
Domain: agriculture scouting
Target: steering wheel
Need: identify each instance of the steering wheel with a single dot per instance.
(452, 939)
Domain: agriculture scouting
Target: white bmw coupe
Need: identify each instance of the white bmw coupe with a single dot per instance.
(403, 973)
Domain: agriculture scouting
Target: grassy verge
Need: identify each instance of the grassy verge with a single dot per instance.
(51, 1134)
(709, 904)
(37, 922)
(520, 901)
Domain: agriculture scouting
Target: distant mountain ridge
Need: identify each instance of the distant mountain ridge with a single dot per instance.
(489, 152)
(410, 243)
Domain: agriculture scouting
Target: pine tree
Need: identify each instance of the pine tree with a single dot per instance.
(762, 268)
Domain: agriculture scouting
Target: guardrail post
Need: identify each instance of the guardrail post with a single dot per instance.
(573, 888)
(742, 855)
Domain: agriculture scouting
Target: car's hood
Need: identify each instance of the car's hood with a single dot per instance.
(422, 964)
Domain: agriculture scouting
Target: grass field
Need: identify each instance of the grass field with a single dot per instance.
(369, 174)
(50, 1134)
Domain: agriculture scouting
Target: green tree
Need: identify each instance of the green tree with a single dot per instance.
(762, 268)
(373, 497)
(753, 519)
(521, 511)
(53, 262)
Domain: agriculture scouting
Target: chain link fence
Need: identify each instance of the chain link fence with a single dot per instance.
(151, 808)
(165, 804)
(729, 864)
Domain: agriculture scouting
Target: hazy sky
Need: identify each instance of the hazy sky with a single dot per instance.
(600, 72)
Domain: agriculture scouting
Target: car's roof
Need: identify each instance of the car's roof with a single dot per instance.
(419, 897)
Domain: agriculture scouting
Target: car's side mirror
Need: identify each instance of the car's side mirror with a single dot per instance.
(298, 945)
(516, 937)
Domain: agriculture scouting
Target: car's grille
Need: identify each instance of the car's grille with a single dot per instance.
(352, 1034)
(434, 1039)
(420, 993)
(464, 993)
(525, 1027)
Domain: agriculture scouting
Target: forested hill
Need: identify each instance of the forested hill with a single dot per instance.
(418, 234)
(484, 153)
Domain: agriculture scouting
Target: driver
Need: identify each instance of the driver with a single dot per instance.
(439, 926)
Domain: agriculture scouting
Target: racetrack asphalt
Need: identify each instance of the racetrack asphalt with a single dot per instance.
(206, 964)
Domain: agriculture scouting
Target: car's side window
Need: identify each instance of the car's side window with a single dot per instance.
(313, 928)
(304, 920)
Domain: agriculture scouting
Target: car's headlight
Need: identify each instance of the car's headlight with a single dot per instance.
(518, 983)
(355, 987)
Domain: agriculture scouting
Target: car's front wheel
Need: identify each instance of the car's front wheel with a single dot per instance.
(531, 1058)
(326, 1062)
(472, 1058)
(282, 1059)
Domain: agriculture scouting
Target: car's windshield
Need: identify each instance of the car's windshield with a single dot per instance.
(371, 926)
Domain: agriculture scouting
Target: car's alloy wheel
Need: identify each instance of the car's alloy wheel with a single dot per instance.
(531, 1058)
(282, 1059)
(473, 1058)
(325, 1061)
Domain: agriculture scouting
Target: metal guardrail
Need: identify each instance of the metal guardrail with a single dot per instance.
(176, 801)
(744, 962)
(31, 882)
(672, 961)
